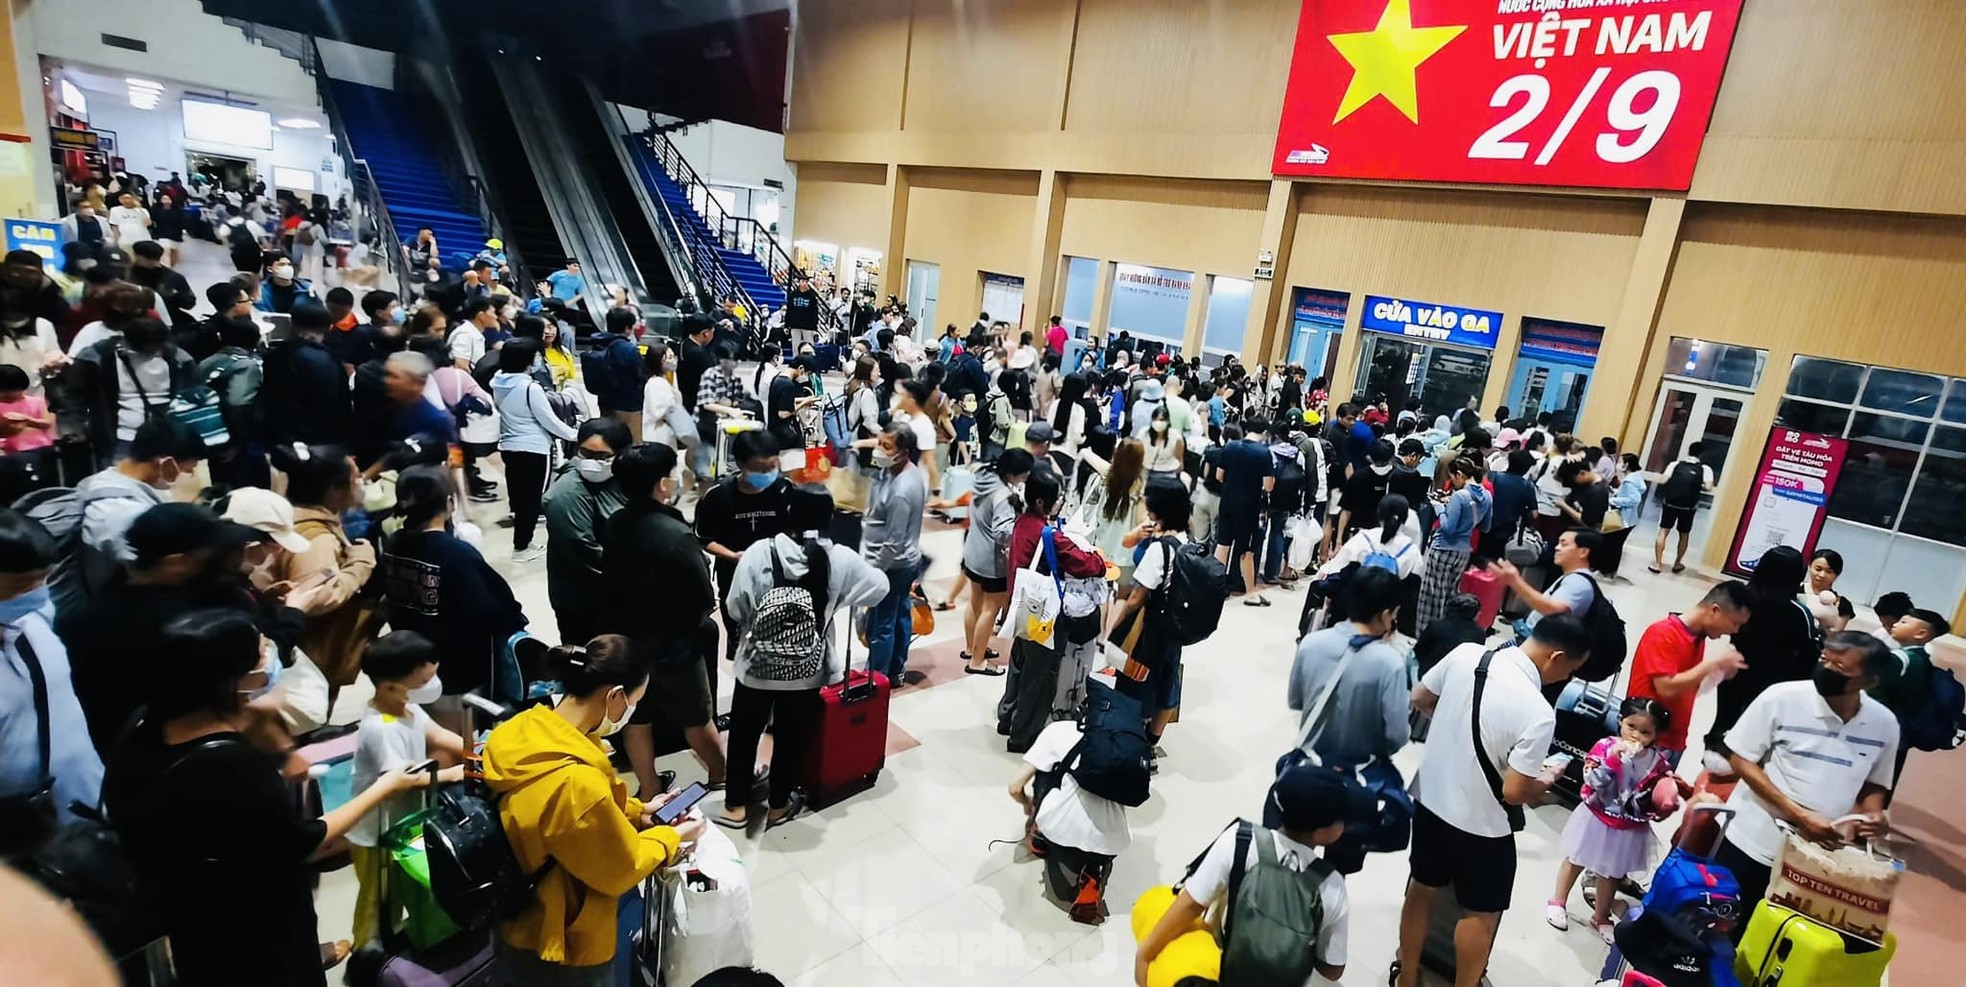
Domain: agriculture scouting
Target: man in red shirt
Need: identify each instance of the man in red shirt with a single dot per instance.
(1668, 665)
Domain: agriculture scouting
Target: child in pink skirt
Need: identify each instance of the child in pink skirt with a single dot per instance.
(1610, 833)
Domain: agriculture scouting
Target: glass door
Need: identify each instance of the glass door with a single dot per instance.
(924, 280)
(1689, 413)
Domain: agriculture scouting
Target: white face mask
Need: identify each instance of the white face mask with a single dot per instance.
(595, 470)
(282, 272)
(429, 692)
(883, 458)
(611, 727)
(1160, 426)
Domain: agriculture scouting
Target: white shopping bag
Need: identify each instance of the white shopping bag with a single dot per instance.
(1304, 535)
(707, 928)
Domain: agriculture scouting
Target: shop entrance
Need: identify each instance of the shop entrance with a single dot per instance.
(1546, 385)
(924, 283)
(1445, 378)
(1689, 412)
(231, 174)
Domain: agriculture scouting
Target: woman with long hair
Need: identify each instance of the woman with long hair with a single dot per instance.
(571, 822)
(1113, 503)
(986, 549)
(1070, 413)
(441, 587)
(323, 484)
(664, 419)
(1465, 512)
(222, 855)
(777, 684)
(1032, 685)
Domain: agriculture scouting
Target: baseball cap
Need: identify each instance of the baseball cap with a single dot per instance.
(1164, 359)
(1309, 796)
(1040, 431)
(1509, 436)
(495, 243)
(266, 512)
(174, 529)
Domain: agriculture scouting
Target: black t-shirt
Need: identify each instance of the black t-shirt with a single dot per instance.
(112, 656)
(1591, 501)
(802, 309)
(220, 852)
(1363, 491)
(690, 364)
(1244, 465)
(784, 399)
(1408, 483)
(735, 519)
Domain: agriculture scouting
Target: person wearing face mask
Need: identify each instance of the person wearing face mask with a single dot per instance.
(283, 287)
(112, 637)
(316, 551)
(83, 225)
(891, 539)
(577, 507)
(790, 394)
(27, 288)
(394, 733)
(220, 853)
(665, 417)
(527, 428)
(1809, 753)
(748, 508)
(108, 502)
(46, 761)
(566, 811)
(436, 584)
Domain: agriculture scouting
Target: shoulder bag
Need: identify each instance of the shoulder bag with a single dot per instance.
(1516, 818)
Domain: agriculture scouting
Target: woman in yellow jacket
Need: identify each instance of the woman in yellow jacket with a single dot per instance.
(561, 801)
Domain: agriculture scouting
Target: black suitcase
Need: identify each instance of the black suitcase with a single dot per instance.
(1585, 714)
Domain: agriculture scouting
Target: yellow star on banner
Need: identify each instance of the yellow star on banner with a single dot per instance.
(1385, 58)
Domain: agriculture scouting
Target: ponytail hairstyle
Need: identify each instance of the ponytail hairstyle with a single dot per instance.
(810, 511)
(314, 473)
(423, 493)
(1392, 516)
(1647, 706)
(606, 662)
(1470, 467)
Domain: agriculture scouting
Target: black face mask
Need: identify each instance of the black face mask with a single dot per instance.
(1830, 682)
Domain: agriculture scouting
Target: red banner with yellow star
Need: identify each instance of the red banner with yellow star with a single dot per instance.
(1594, 93)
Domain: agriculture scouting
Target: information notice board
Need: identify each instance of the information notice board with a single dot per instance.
(1790, 497)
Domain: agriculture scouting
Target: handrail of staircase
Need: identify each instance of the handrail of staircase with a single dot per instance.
(362, 181)
(763, 245)
(677, 253)
(709, 264)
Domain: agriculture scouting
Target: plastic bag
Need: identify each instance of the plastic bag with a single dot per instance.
(1304, 534)
(709, 915)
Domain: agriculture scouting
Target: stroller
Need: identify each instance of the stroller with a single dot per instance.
(1678, 936)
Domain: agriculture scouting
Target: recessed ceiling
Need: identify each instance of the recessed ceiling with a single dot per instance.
(109, 87)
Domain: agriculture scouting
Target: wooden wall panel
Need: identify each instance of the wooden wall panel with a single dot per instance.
(968, 222)
(1553, 258)
(1013, 53)
(1873, 288)
(1181, 66)
(843, 204)
(1854, 105)
(849, 65)
(1207, 227)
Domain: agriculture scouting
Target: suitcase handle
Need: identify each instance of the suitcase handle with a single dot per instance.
(1725, 817)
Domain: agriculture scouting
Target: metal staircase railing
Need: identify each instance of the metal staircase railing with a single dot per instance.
(740, 233)
(294, 44)
(372, 223)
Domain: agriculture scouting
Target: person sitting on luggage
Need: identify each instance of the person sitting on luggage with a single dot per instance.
(1609, 833)
(1274, 874)
(1808, 753)
(560, 801)
(394, 733)
(1076, 832)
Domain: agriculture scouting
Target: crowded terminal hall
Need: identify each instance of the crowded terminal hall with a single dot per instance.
(728, 495)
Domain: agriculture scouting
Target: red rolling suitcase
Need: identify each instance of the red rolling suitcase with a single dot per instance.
(1486, 587)
(849, 737)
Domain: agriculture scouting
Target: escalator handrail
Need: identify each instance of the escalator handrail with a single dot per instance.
(635, 160)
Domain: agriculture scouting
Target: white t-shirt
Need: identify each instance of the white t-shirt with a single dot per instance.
(1211, 880)
(924, 430)
(1810, 755)
(134, 398)
(1366, 542)
(1152, 569)
(1071, 815)
(130, 223)
(91, 334)
(30, 350)
(385, 743)
(1516, 727)
(468, 344)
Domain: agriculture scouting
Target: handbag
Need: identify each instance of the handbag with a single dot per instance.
(1525, 548)
(708, 912)
(1379, 812)
(1849, 888)
(921, 615)
(1037, 598)
(1304, 535)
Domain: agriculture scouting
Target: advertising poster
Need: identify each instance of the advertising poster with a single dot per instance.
(1590, 93)
(1790, 498)
(42, 238)
(1150, 302)
(1430, 322)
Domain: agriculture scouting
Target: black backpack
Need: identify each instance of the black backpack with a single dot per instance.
(1111, 758)
(1681, 491)
(239, 237)
(1607, 631)
(474, 875)
(1288, 494)
(1190, 599)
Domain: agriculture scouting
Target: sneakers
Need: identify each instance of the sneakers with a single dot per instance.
(532, 554)
(484, 496)
(1557, 916)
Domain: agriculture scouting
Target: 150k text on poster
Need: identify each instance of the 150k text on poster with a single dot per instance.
(1595, 93)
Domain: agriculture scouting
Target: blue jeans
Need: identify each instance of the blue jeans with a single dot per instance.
(891, 626)
(1273, 558)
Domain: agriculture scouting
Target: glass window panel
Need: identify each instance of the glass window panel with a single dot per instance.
(1809, 416)
(1721, 363)
(1926, 570)
(1955, 409)
(1675, 417)
(1934, 510)
(1723, 420)
(1864, 550)
(1827, 380)
(1877, 472)
(1904, 392)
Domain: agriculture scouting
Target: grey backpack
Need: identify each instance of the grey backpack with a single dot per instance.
(1272, 916)
(80, 570)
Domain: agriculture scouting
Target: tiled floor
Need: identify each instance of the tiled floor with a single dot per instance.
(903, 885)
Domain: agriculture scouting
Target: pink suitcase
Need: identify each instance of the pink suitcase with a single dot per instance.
(1486, 587)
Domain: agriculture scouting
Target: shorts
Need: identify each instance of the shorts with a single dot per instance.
(1238, 530)
(1481, 868)
(1671, 517)
(1161, 690)
(679, 695)
(988, 584)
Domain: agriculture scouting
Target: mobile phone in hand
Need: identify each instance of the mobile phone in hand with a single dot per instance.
(668, 812)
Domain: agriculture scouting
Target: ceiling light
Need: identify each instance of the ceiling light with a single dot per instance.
(299, 123)
(145, 84)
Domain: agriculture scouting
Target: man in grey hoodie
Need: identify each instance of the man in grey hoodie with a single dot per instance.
(162, 452)
(986, 551)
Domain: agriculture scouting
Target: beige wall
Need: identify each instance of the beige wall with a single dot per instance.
(843, 204)
(1827, 213)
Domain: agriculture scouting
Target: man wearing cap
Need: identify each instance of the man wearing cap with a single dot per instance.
(494, 255)
(112, 638)
(1311, 804)
(26, 287)
(789, 394)
(1038, 437)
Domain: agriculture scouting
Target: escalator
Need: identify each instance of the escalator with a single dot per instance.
(595, 146)
(515, 193)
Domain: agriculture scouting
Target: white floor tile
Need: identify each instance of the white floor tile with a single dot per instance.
(795, 928)
(962, 939)
(879, 883)
(860, 966)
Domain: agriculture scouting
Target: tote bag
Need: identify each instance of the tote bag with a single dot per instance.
(1038, 598)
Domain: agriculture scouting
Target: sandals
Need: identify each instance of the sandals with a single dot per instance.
(729, 823)
(763, 775)
(793, 810)
(1257, 602)
(990, 670)
(946, 605)
(1679, 567)
(1655, 570)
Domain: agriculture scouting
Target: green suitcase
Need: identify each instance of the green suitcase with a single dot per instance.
(1791, 949)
